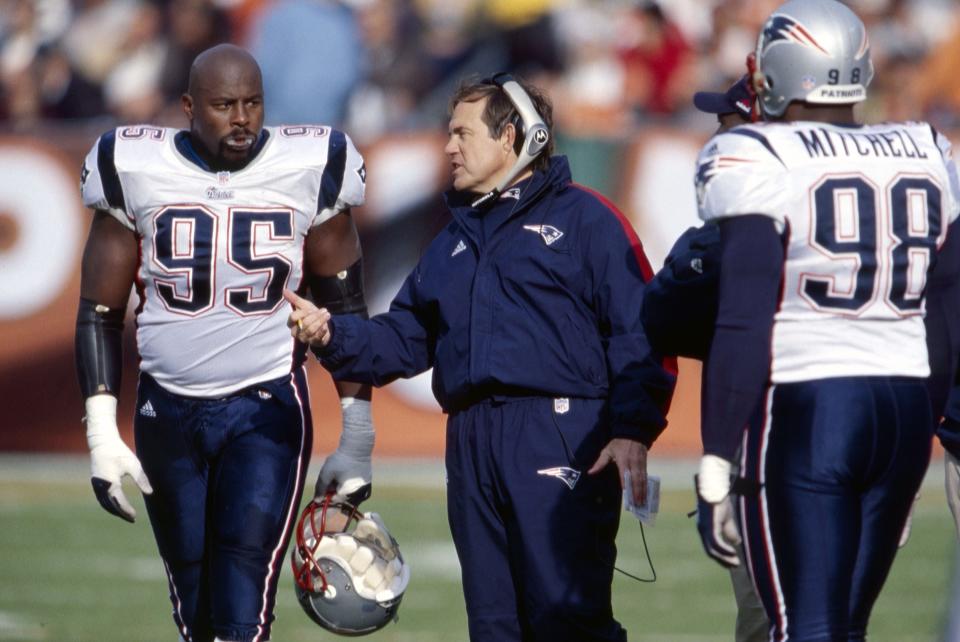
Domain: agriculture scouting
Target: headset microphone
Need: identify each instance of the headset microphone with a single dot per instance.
(535, 132)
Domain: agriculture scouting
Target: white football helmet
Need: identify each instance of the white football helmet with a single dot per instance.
(815, 51)
(349, 580)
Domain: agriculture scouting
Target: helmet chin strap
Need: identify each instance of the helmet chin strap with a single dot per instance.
(535, 132)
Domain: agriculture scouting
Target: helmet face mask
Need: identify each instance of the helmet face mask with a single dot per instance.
(813, 51)
(348, 573)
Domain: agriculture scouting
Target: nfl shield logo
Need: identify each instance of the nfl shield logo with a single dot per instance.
(561, 405)
(223, 177)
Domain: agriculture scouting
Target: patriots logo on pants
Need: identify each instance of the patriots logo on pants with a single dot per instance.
(568, 476)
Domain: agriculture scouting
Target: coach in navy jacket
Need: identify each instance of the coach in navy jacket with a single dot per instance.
(528, 311)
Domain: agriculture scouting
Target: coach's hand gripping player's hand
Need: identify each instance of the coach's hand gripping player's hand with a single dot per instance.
(307, 322)
(348, 471)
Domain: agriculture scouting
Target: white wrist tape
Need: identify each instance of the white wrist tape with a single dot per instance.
(713, 480)
(357, 436)
(101, 420)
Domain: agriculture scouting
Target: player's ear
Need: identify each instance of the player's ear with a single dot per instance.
(186, 100)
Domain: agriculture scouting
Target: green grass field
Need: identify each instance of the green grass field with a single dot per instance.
(71, 573)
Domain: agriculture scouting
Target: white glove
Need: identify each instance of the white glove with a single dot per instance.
(716, 521)
(110, 458)
(952, 479)
(348, 471)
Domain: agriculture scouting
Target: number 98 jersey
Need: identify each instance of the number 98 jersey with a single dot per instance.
(864, 211)
(217, 248)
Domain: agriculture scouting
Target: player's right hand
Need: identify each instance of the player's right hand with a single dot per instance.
(110, 458)
(716, 521)
(308, 323)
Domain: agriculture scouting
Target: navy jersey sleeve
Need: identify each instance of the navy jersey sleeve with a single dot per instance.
(398, 343)
(640, 386)
(751, 253)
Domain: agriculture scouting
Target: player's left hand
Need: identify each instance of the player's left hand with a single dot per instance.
(308, 323)
(110, 458)
(716, 521)
(348, 472)
(630, 456)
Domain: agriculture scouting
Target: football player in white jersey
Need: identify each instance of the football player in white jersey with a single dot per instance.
(211, 225)
(836, 240)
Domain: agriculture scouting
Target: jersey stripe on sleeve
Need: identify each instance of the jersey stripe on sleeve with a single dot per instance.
(108, 171)
(332, 181)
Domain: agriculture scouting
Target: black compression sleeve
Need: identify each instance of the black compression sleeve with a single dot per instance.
(98, 348)
(341, 293)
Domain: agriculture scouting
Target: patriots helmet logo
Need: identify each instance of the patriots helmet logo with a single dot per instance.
(782, 28)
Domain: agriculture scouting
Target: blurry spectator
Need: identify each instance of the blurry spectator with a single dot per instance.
(525, 30)
(192, 26)
(591, 96)
(63, 93)
(19, 42)
(132, 85)
(396, 74)
(95, 40)
(659, 63)
(310, 53)
(936, 85)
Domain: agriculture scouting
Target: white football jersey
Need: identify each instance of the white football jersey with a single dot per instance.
(865, 209)
(217, 248)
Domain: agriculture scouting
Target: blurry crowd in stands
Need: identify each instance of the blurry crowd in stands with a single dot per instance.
(375, 67)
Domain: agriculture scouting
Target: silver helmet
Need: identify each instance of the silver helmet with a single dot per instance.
(348, 573)
(815, 51)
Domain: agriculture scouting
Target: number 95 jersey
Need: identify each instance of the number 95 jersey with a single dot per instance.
(864, 210)
(217, 248)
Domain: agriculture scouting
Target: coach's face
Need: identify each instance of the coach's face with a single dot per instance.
(225, 110)
(478, 160)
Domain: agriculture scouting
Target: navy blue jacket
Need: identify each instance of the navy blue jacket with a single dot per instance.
(680, 302)
(538, 296)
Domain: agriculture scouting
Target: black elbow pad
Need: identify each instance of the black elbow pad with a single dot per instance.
(98, 347)
(341, 293)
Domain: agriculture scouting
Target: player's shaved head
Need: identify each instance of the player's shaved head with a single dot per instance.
(224, 103)
(217, 63)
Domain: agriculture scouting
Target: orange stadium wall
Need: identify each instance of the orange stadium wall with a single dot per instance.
(43, 226)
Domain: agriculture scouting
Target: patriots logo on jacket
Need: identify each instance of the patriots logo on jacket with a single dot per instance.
(548, 233)
(568, 476)
(787, 29)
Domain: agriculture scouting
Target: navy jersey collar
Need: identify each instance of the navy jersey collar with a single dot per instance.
(184, 145)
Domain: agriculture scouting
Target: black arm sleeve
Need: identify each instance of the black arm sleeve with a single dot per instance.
(98, 348)
(737, 370)
(341, 293)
